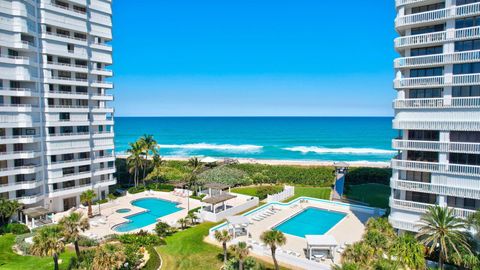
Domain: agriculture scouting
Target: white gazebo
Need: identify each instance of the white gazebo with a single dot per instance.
(238, 223)
(208, 160)
(322, 243)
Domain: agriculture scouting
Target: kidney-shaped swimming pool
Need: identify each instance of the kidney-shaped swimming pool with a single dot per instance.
(155, 208)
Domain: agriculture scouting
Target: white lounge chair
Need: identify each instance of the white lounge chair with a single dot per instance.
(94, 223)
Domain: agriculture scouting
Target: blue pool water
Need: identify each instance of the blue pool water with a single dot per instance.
(312, 221)
(155, 208)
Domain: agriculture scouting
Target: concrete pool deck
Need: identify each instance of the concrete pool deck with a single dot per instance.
(346, 231)
(111, 217)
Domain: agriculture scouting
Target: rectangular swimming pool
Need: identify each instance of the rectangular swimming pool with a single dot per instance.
(155, 208)
(311, 221)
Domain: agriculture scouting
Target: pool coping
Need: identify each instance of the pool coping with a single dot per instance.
(345, 215)
(142, 212)
(378, 211)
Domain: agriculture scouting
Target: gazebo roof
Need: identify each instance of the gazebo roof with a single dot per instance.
(341, 164)
(218, 199)
(236, 220)
(36, 212)
(209, 160)
(217, 186)
(321, 241)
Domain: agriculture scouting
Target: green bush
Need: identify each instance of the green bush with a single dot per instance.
(224, 175)
(162, 229)
(357, 176)
(319, 176)
(21, 244)
(198, 197)
(140, 239)
(154, 261)
(84, 241)
(263, 191)
(16, 228)
(160, 187)
(135, 190)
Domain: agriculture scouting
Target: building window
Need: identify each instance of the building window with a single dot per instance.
(424, 177)
(422, 156)
(427, 29)
(426, 51)
(467, 22)
(466, 91)
(424, 135)
(426, 72)
(465, 136)
(466, 2)
(428, 8)
(464, 159)
(467, 68)
(467, 45)
(425, 93)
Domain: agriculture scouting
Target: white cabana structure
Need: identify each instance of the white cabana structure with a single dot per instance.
(208, 160)
(321, 243)
(36, 216)
(238, 225)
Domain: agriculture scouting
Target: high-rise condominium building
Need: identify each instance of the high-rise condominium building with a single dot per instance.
(437, 110)
(56, 130)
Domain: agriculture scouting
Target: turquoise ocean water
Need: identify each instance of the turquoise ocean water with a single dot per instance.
(282, 138)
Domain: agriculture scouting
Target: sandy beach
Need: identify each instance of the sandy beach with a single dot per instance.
(290, 162)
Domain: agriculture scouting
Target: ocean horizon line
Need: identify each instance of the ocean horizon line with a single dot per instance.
(274, 116)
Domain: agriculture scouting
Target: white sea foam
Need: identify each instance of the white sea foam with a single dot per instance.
(243, 148)
(345, 150)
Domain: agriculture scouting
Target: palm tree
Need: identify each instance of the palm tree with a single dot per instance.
(148, 146)
(441, 230)
(192, 217)
(408, 251)
(195, 164)
(157, 160)
(48, 242)
(274, 239)
(7, 209)
(359, 253)
(223, 237)
(134, 160)
(240, 251)
(72, 225)
(87, 197)
(474, 223)
(183, 222)
(108, 256)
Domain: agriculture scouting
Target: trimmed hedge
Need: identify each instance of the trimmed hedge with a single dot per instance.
(357, 176)
(14, 228)
(154, 262)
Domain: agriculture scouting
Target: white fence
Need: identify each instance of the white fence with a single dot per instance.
(209, 216)
(288, 191)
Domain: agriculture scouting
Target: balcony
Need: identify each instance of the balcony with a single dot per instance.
(18, 92)
(434, 189)
(68, 108)
(105, 183)
(64, 66)
(68, 136)
(102, 84)
(438, 81)
(69, 190)
(65, 38)
(109, 170)
(399, 3)
(20, 170)
(30, 199)
(458, 125)
(439, 15)
(459, 147)
(20, 139)
(70, 177)
(422, 166)
(69, 163)
(437, 59)
(422, 207)
(437, 37)
(403, 224)
(66, 80)
(66, 95)
(438, 103)
(21, 185)
(19, 155)
(21, 108)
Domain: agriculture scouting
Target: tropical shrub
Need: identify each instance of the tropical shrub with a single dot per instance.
(84, 241)
(224, 175)
(357, 176)
(21, 244)
(135, 190)
(321, 176)
(164, 174)
(16, 228)
(249, 264)
(263, 191)
(162, 229)
(140, 239)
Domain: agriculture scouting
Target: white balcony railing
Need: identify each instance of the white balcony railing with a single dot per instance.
(455, 169)
(437, 103)
(403, 224)
(438, 81)
(399, 3)
(422, 207)
(461, 147)
(438, 37)
(435, 189)
(458, 125)
(438, 15)
(437, 59)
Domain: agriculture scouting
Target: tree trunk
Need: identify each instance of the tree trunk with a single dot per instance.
(224, 253)
(77, 248)
(274, 258)
(240, 264)
(135, 177)
(440, 262)
(90, 212)
(55, 261)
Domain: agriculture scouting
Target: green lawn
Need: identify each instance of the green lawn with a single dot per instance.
(375, 195)
(186, 250)
(11, 261)
(313, 192)
(253, 190)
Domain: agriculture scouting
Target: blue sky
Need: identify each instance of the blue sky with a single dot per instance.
(253, 57)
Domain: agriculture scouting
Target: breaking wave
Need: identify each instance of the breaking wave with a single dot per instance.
(243, 148)
(344, 150)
